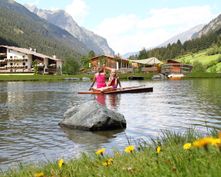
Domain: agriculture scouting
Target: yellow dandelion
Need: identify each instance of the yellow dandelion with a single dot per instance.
(60, 163)
(158, 149)
(187, 146)
(40, 174)
(108, 162)
(129, 149)
(203, 142)
(100, 151)
(216, 141)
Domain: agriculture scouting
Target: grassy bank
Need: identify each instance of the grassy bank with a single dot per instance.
(203, 75)
(41, 77)
(64, 77)
(147, 76)
(171, 155)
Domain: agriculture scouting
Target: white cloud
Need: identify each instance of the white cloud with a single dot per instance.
(128, 33)
(78, 9)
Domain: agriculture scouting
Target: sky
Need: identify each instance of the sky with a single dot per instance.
(131, 25)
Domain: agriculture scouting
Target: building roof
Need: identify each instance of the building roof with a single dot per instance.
(29, 52)
(148, 61)
(111, 57)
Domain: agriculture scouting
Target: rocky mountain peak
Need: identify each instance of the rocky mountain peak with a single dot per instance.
(62, 19)
(212, 26)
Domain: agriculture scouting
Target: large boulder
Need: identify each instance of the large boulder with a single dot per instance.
(93, 116)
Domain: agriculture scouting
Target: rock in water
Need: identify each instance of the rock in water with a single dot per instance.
(93, 116)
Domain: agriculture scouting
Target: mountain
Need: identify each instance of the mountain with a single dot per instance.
(127, 55)
(184, 36)
(60, 18)
(22, 28)
(212, 26)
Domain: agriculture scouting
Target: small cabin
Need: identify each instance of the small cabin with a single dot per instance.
(175, 67)
(111, 62)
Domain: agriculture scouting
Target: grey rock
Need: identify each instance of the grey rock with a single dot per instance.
(93, 116)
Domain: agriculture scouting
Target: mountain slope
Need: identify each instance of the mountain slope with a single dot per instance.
(185, 36)
(60, 18)
(212, 26)
(25, 29)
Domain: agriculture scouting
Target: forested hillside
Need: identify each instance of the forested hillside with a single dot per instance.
(22, 28)
(175, 50)
(208, 37)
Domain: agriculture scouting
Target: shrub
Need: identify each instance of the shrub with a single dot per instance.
(198, 67)
(70, 66)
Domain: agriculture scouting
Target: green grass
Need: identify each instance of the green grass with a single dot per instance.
(4, 77)
(200, 56)
(203, 75)
(146, 76)
(40, 77)
(172, 160)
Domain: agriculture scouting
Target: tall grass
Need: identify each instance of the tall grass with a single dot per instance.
(170, 159)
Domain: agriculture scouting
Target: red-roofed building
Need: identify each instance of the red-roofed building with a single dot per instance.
(111, 62)
(175, 67)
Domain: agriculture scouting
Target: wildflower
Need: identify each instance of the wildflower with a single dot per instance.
(187, 146)
(129, 149)
(40, 174)
(158, 149)
(216, 141)
(108, 162)
(203, 142)
(100, 151)
(60, 163)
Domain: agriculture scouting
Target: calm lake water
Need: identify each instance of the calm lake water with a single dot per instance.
(30, 113)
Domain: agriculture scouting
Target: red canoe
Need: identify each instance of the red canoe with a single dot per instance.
(121, 90)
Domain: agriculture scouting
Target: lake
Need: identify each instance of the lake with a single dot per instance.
(30, 113)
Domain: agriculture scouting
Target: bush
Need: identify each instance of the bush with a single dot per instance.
(219, 59)
(212, 63)
(71, 66)
(214, 51)
(198, 67)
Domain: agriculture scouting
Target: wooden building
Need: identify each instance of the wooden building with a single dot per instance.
(21, 60)
(175, 67)
(111, 62)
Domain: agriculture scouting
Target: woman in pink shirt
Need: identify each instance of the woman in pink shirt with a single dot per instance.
(100, 79)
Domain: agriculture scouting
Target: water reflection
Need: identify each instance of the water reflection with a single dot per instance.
(110, 100)
(90, 138)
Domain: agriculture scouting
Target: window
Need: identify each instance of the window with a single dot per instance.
(11, 57)
(11, 64)
(23, 63)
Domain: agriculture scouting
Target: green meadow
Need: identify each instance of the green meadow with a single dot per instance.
(210, 63)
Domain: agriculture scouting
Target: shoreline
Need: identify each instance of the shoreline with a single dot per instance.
(88, 77)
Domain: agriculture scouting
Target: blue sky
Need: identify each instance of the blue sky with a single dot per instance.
(130, 25)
